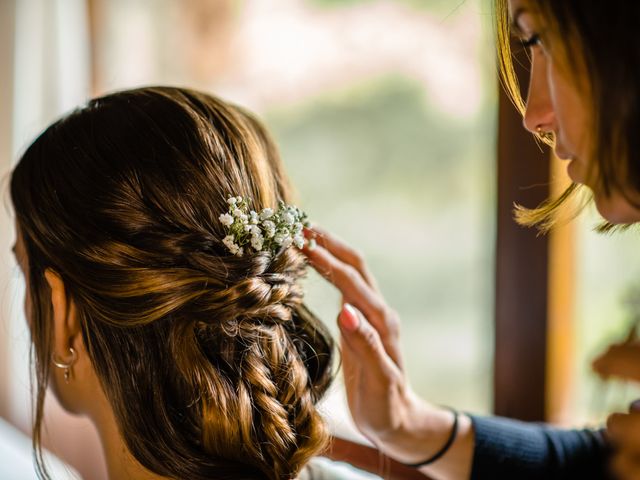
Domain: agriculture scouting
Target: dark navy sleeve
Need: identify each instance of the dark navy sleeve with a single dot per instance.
(512, 449)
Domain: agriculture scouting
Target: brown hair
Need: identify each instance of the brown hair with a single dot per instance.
(602, 35)
(211, 362)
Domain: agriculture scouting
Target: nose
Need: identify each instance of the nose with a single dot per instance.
(539, 112)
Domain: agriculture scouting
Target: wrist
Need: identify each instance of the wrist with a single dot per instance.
(422, 432)
(444, 449)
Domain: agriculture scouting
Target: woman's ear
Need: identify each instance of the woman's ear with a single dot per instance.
(66, 326)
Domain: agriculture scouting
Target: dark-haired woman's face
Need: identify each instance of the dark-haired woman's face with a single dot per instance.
(558, 102)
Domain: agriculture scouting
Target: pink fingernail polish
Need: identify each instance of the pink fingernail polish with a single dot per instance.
(349, 317)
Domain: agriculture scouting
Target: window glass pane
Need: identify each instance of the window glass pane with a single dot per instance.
(385, 113)
(608, 272)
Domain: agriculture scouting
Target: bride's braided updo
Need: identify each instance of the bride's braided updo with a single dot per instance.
(211, 362)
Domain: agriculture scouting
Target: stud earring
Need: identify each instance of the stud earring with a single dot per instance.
(66, 366)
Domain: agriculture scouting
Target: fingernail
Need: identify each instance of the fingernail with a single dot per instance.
(349, 318)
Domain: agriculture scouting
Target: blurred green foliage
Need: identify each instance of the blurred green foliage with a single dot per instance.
(434, 6)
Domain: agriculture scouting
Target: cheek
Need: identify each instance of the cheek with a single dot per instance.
(570, 111)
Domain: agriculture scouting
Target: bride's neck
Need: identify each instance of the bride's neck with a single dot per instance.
(120, 462)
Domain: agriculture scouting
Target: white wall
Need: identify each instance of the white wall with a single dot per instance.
(7, 15)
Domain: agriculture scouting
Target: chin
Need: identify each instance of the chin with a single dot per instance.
(616, 209)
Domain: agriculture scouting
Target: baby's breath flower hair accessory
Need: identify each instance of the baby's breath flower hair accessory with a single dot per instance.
(267, 230)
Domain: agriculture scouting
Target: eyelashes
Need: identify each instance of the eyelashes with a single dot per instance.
(532, 41)
(526, 44)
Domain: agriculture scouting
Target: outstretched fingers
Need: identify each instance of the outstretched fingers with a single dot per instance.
(350, 282)
(347, 271)
(343, 252)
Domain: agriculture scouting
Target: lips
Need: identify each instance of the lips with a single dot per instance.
(562, 153)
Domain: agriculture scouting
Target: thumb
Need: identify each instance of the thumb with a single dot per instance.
(361, 337)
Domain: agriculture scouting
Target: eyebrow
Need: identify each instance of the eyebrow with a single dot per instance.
(515, 26)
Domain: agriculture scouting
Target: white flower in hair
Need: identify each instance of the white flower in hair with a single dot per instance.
(266, 213)
(226, 219)
(280, 238)
(298, 241)
(288, 218)
(257, 241)
(228, 241)
(268, 230)
(231, 245)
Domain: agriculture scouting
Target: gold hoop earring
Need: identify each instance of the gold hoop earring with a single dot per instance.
(63, 365)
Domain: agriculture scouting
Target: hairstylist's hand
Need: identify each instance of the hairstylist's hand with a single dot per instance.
(382, 403)
(620, 360)
(624, 432)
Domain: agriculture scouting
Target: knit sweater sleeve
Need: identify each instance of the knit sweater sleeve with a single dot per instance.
(510, 449)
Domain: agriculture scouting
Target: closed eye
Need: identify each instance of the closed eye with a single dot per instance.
(532, 41)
